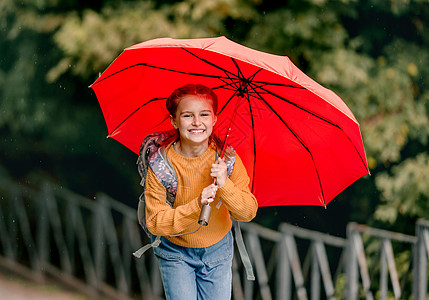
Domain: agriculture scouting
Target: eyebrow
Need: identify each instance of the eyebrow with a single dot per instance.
(190, 112)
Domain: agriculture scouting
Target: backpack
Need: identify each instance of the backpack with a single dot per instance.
(152, 154)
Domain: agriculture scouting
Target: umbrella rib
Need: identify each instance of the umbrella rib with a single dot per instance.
(254, 141)
(319, 117)
(227, 102)
(298, 106)
(238, 68)
(299, 140)
(244, 90)
(264, 83)
(233, 80)
(135, 111)
(209, 63)
(161, 68)
(228, 85)
(240, 74)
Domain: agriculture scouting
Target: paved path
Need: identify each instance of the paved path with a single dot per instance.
(12, 288)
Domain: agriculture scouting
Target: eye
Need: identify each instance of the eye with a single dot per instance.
(186, 115)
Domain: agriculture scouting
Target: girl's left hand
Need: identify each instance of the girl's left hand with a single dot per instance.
(218, 171)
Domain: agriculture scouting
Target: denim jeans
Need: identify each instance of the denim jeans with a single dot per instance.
(196, 273)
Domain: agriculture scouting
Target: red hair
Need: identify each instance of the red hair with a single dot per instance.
(174, 99)
(190, 89)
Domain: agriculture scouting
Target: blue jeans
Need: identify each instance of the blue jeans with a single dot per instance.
(196, 273)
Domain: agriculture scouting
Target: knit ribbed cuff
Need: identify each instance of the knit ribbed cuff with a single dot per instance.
(195, 208)
(227, 190)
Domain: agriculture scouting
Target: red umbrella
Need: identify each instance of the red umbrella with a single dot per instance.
(299, 141)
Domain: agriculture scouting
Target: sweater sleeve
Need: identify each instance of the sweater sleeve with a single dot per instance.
(161, 219)
(236, 195)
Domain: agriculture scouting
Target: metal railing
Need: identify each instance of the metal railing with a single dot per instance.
(421, 257)
(384, 264)
(88, 244)
(284, 275)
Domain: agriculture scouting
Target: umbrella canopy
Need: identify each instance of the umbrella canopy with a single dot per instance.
(299, 141)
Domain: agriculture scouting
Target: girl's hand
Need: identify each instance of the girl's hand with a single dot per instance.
(218, 171)
(207, 195)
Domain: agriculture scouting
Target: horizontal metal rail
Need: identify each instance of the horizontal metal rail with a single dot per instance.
(88, 244)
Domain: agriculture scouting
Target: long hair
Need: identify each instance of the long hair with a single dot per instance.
(172, 104)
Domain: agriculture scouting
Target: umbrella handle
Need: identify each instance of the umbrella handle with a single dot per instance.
(205, 215)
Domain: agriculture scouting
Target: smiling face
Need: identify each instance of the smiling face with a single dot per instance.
(194, 118)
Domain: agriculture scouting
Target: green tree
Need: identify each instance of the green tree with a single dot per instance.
(372, 53)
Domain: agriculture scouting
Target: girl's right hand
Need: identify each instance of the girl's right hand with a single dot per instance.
(207, 195)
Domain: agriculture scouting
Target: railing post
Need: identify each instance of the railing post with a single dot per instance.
(256, 250)
(99, 241)
(352, 281)
(315, 274)
(421, 255)
(295, 263)
(322, 263)
(113, 246)
(383, 271)
(42, 235)
(283, 272)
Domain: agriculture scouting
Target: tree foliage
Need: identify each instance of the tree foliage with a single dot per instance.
(373, 54)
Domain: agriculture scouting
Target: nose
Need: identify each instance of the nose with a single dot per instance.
(196, 121)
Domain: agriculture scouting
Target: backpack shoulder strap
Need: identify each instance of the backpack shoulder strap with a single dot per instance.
(243, 252)
(231, 161)
(161, 165)
(153, 154)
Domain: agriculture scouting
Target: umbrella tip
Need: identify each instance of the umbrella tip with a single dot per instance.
(322, 201)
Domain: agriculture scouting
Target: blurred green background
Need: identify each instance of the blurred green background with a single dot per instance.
(373, 53)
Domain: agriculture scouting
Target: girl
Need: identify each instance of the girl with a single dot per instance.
(197, 265)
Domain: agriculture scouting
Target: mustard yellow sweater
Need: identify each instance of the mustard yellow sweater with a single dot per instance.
(193, 175)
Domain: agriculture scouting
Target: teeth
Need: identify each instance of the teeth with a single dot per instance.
(197, 131)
